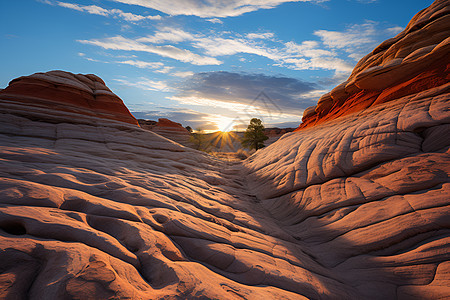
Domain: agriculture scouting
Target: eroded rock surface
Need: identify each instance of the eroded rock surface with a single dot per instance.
(415, 60)
(169, 129)
(64, 91)
(353, 208)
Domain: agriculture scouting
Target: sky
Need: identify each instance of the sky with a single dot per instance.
(208, 64)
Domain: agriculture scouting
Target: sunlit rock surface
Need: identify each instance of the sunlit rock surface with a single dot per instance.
(64, 91)
(417, 59)
(92, 207)
(169, 129)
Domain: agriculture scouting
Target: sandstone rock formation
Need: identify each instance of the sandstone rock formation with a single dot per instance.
(64, 91)
(353, 208)
(169, 129)
(415, 60)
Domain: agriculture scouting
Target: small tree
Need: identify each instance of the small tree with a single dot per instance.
(199, 140)
(189, 128)
(254, 136)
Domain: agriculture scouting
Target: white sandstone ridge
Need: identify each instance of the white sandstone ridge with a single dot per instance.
(97, 208)
(94, 207)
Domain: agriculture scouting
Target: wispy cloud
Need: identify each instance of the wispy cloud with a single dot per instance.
(215, 20)
(354, 36)
(394, 30)
(167, 34)
(356, 40)
(263, 36)
(184, 74)
(164, 70)
(337, 51)
(211, 8)
(91, 9)
(219, 46)
(122, 43)
(46, 2)
(142, 64)
(146, 84)
(97, 10)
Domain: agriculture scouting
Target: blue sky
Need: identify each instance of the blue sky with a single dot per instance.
(209, 64)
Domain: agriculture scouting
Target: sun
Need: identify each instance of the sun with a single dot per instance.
(224, 124)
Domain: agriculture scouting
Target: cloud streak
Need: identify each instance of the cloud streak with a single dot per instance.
(146, 84)
(97, 10)
(210, 8)
(122, 43)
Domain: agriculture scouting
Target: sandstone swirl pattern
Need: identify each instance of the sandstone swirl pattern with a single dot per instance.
(416, 59)
(94, 207)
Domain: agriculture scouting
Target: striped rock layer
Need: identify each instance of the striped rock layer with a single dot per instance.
(358, 207)
(415, 60)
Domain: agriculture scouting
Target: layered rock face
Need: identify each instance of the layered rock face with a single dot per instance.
(169, 129)
(353, 208)
(415, 60)
(64, 91)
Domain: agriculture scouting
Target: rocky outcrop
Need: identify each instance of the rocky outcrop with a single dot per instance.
(274, 134)
(415, 60)
(353, 208)
(169, 129)
(64, 91)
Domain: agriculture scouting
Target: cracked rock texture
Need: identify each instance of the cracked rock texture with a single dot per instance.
(95, 207)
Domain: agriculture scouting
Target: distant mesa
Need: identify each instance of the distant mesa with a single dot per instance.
(76, 93)
(417, 59)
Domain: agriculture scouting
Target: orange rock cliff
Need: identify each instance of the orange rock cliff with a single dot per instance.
(417, 59)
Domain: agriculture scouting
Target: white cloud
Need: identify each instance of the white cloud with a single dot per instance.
(167, 34)
(97, 10)
(215, 20)
(46, 2)
(142, 64)
(218, 46)
(263, 36)
(121, 43)
(354, 36)
(334, 50)
(210, 8)
(183, 74)
(309, 56)
(92, 9)
(164, 70)
(357, 40)
(307, 49)
(132, 17)
(394, 30)
(147, 84)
